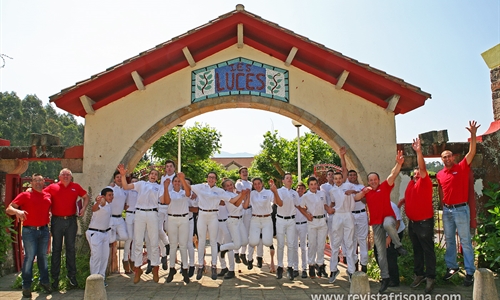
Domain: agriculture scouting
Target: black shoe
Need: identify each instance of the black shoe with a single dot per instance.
(46, 288)
(222, 272)
(322, 272)
(450, 272)
(295, 273)
(244, 259)
(312, 271)
(290, 274)
(171, 274)
(259, 262)
(223, 253)
(417, 281)
(214, 273)
(279, 273)
(429, 286)
(402, 251)
(384, 285)
(27, 293)
(191, 271)
(468, 280)
(164, 264)
(149, 268)
(185, 275)
(199, 274)
(229, 275)
(72, 281)
(167, 248)
(393, 284)
(304, 274)
(250, 264)
(55, 284)
(237, 258)
(364, 268)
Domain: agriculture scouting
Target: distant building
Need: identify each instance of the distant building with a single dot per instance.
(234, 163)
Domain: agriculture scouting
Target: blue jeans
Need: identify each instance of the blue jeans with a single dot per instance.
(458, 219)
(63, 228)
(35, 243)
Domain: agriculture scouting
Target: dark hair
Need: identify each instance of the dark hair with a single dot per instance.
(352, 171)
(312, 178)
(257, 178)
(371, 174)
(338, 173)
(35, 175)
(169, 161)
(189, 180)
(115, 173)
(154, 170)
(301, 184)
(105, 191)
(241, 169)
(212, 172)
(286, 173)
(330, 171)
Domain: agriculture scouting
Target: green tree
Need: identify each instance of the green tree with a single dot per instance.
(279, 155)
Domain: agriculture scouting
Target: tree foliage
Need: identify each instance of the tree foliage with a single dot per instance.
(19, 118)
(279, 155)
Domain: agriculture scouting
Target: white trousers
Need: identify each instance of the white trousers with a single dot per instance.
(190, 246)
(146, 223)
(247, 217)
(342, 231)
(258, 226)
(237, 235)
(178, 233)
(360, 235)
(207, 221)
(162, 227)
(118, 230)
(99, 251)
(224, 237)
(129, 220)
(300, 242)
(316, 233)
(285, 228)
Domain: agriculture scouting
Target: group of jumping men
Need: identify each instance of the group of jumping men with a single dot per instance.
(239, 217)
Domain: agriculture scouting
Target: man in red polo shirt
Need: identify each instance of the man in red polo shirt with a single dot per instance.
(453, 183)
(64, 195)
(420, 212)
(382, 217)
(32, 208)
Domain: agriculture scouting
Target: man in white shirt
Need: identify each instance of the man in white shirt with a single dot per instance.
(360, 224)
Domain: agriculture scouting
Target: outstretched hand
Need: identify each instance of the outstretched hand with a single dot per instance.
(167, 182)
(181, 176)
(122, 170)
(272, 186)
(473, 127)
(400, 159)
(342, 151)
(416, 145)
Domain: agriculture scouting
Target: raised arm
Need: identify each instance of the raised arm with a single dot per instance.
(362, 194)
(185, 185)
(165, 198)
(420, 157)
(472, 147)
(274, 189)
(400, 159)
(236, 201)
(343, 163)
(13, 210)
(100, 201)
(123, 172)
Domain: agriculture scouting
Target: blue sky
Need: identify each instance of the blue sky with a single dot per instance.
(435, 45)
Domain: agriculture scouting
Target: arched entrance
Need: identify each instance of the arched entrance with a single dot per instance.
(129, 106)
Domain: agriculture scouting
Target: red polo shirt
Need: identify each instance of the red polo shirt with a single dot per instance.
(379, 203)
(418, 199)
(36, 205)
(64, 198)
(455, 183)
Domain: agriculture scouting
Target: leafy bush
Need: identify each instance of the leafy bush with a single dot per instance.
(6, 228)
(488, 231)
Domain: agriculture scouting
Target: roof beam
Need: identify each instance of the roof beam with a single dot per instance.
(189, 57)
(341, 79)
(138, 81)
(240, 35)
(87, 104)
(291, 56)
(393, 101)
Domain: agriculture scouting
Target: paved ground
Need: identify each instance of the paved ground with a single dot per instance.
(254, 284)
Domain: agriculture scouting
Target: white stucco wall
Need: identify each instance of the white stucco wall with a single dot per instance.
(367, 129)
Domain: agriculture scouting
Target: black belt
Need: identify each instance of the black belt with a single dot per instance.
(261, 216)
(64, 217)
(149, 209)
(423, 221)
(36, 227)
(100, 230)
(300, 223)
(358, 211)
(116, 216)
(209, 210)
(162, 203)
(319, 217)
(235, 217)
(249, 207)
(222, 220)
(191, 218)
(286, 218)
(182, 215)
(455, 205)
(130, 212)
